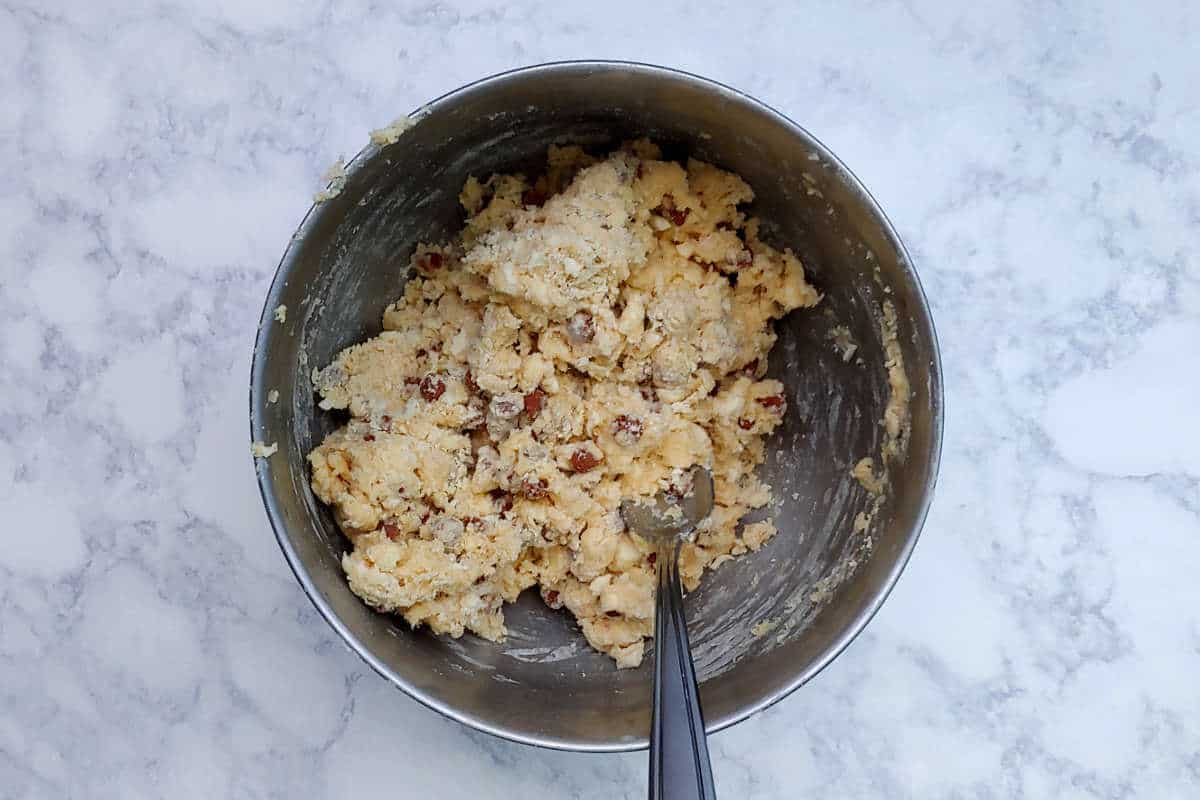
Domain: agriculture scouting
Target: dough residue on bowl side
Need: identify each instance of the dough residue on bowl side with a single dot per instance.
(334, 179)
(390, 134)
(261, 450)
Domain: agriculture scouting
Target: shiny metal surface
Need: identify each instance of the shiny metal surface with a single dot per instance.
(543, 686)
(679, 765)
(662, 519)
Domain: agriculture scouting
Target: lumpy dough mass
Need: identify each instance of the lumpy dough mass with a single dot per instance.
(587, 337)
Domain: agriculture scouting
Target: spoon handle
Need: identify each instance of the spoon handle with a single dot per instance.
(679, 765)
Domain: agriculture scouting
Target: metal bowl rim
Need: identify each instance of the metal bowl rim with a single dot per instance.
(264, 469)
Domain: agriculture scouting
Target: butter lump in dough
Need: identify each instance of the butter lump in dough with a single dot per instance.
(580, 342)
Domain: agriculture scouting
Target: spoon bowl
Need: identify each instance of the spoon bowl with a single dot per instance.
(672, 515)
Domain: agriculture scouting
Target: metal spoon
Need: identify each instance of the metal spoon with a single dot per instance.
(679, 765)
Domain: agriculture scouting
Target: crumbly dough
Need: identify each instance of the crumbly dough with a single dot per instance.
(763, 627)
(390, 134)
(895, 416)
(588, 337)
(843, 342)
(260, 450)
(895, 421)
(334, 179)
(864, 473)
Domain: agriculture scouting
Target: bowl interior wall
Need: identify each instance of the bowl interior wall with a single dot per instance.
(349, 261)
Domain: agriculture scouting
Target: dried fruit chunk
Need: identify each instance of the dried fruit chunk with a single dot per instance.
(581, 327)
(534, 402)
(627, 430)
(502, 499)
(533, 488)
(428, 262)
(584, 459)
(502, 415)
(678, 216)
(432, 387)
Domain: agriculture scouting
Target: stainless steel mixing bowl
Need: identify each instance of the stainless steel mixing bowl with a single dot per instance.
(817, 583)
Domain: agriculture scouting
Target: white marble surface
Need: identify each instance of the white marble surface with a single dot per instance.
(1042, 162)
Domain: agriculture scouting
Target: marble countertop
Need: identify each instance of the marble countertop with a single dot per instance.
(1042, 162)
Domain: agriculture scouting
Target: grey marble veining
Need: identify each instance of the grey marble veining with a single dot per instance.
(1041, 160)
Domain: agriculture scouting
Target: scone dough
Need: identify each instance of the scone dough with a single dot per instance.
(588, 337)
